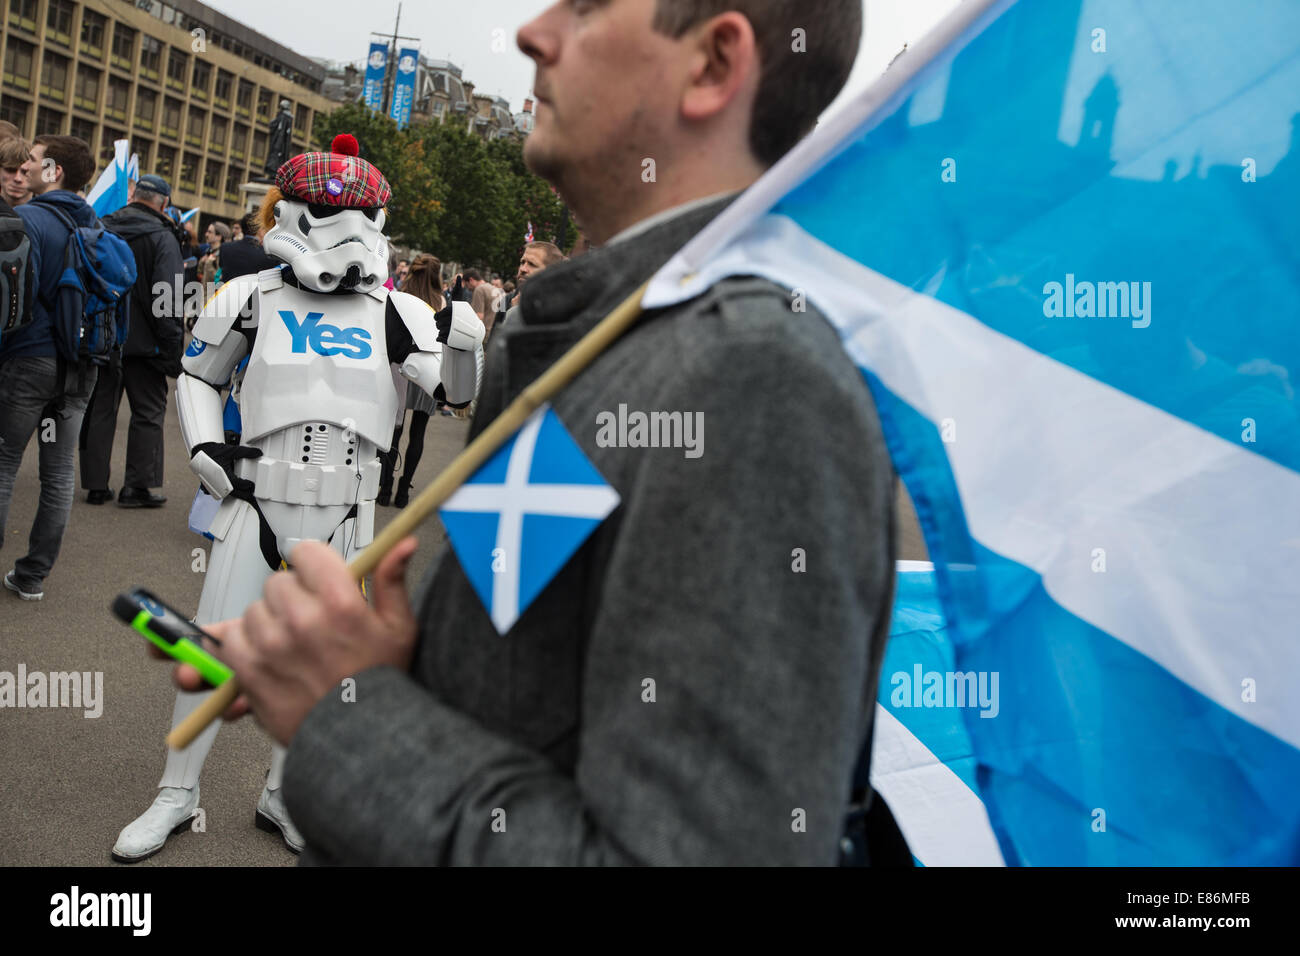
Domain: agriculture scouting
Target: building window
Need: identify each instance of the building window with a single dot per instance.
(302, 121)
(211, 178)
(194, 128)
(107, 151)
(58, 22)
(119, 96)
(189, 171)
(13, 111)
(244, 104)
(48, 121)
(232, 183)
(166, 164)
(238, 141)
(264, 106)
(259, 147)
(20, 64)
(199, 82)
(218, 134)
(171, 118)
(123, 47)
(146, 106)
(92, 34)
(176, 65)
(143, 148)
(221, 94)
(54, 77)
(22, 15)
(84, 129)
(85, 95)
(150, 57)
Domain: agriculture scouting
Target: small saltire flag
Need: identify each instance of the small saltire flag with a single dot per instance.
(519, 519)
(189, 214)
(133, 168)
(110, 190)
(528, 237)
(1058, 238)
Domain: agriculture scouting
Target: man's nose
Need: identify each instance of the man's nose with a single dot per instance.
(536, 38)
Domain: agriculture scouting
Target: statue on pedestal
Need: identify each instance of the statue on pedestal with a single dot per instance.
(279, 144)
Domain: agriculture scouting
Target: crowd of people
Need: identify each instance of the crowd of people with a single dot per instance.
(42, 186)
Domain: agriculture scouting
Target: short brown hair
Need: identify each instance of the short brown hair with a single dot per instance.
(73, 154)
(551, 253)
(794, 87)
(14, 151)
(8, 129)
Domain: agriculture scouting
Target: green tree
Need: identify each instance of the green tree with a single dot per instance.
(530, 199)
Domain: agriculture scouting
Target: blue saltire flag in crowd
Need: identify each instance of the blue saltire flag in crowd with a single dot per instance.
(110, 190)
(1059, 238)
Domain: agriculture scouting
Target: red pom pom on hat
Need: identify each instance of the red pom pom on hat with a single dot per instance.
(345, 144)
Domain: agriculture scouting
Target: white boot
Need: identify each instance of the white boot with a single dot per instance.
(273, 817)
(144, 836)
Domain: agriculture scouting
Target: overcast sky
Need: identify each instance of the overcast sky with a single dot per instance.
(463, 32)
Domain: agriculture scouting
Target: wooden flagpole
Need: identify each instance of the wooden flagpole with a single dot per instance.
(542, 390)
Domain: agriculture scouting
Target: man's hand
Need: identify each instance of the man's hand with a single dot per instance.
(313, 628)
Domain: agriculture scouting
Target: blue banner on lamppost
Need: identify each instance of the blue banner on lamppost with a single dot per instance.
(404, 87)
(376, 64)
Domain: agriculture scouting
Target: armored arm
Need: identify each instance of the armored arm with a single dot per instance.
(442, 348)
(222, 337)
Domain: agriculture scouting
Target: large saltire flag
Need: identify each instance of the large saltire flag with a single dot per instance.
(1060, 240)
(110, 190)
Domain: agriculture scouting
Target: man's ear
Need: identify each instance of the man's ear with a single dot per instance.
(724, 65)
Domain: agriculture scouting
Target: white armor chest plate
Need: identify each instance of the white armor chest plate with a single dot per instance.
(318, 358)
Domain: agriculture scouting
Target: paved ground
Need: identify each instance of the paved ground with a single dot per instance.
(69, 783)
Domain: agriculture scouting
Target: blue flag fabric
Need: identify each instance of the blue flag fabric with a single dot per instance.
(1059, 240)
(516, 522)
(110, 190)
(923, 761)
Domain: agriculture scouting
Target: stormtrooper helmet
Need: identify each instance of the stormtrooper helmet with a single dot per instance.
(329, 219)
(330, 248)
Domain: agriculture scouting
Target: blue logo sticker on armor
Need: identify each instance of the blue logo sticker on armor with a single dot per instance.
(325, 339)
(196, 347)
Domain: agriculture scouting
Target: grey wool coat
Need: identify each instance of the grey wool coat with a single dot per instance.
(696, 683)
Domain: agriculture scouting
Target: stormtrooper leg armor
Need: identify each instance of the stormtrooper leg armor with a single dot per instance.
(236, 575)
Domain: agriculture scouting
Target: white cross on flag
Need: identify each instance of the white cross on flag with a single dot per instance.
(516, 522)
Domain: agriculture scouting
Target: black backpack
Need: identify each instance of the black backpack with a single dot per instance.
(15, 272)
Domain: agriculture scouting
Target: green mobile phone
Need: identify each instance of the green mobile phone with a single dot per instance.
(169, 631)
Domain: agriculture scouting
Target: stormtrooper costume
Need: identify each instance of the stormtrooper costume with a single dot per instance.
(317, 405)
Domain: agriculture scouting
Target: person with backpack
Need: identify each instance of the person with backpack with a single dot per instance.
(47, 366)
(152, 352)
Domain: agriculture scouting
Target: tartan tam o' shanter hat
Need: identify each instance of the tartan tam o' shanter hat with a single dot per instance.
(337, 178)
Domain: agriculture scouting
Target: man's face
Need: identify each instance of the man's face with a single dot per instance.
(211, 237)
(607, 87)
(13, 185)
(497, 283)
(39, 179)
(533, 261)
